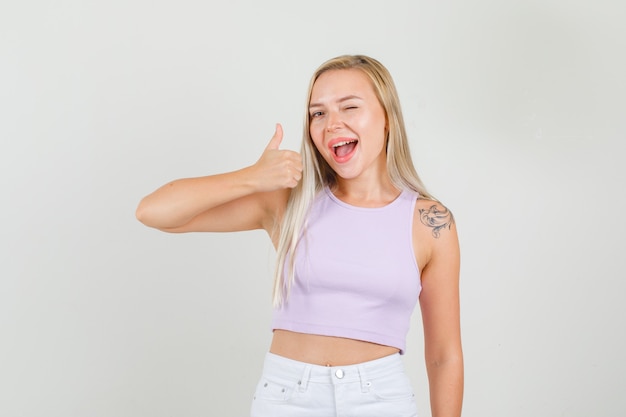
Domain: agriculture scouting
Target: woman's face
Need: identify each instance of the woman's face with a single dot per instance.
(348, 124)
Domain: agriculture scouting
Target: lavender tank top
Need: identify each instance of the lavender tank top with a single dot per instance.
(356, 275)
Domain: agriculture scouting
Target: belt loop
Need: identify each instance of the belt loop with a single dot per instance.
(303, 383)
(365, 383)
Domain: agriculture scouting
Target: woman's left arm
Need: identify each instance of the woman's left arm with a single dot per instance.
(439, 303)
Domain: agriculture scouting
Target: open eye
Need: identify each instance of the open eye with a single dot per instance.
(316, 114)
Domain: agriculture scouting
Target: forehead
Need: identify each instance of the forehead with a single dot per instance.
(335, 84)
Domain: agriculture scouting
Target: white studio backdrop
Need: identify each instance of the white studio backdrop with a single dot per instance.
(516, 112)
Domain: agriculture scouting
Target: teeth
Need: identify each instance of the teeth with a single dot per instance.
(345, 142)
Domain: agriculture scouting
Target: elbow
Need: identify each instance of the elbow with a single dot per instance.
(444, 352)
(139, 213)
(151, 216)
(451, 356)
(142, 213)
(455, 360)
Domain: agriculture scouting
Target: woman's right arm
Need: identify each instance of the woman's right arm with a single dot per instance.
(250, 198)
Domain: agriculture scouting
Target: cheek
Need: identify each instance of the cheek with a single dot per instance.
(372, 121)
(316, 135)
(375, 129)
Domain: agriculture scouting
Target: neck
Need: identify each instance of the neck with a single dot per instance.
(361, 192)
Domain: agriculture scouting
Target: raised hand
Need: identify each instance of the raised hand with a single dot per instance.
(225, 202)
(277, 168)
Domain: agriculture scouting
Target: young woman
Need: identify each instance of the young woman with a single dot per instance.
(359, 242)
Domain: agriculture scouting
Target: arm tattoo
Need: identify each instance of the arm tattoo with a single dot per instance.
(438, 217)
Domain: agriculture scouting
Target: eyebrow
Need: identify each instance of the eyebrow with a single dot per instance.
(341, 100)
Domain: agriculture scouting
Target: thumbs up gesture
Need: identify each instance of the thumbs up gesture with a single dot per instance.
(278, 168)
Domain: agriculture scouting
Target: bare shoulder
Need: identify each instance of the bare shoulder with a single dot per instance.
(434, 232)
(275, 204)
(436, 218)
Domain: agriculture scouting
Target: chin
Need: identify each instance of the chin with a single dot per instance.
(346, 174)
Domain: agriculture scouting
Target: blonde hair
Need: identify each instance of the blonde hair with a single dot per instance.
(317, 173)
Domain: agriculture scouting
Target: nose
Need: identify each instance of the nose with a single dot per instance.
(333, 121)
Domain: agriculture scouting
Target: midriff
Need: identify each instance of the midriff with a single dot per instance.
(326, 350)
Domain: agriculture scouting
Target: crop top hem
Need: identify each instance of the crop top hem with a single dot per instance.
(343, 332)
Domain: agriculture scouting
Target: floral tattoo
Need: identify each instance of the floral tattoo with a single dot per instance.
(438, 217)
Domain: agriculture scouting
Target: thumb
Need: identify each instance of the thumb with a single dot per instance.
(277, 138)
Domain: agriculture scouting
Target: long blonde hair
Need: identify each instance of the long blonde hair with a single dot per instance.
(317, 173)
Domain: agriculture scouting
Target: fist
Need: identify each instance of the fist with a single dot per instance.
(278, 168)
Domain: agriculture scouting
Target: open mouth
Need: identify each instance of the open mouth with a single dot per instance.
(344, 148)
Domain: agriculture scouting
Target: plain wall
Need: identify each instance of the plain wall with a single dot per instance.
(516, 112)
